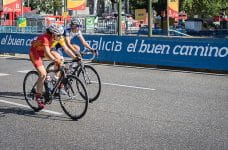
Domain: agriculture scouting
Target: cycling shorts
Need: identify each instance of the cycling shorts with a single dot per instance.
(36, 57)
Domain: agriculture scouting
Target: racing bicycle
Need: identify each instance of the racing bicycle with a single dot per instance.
(74, 103)
(85, 72)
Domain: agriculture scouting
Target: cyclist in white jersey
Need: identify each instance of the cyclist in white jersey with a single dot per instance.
(74, 31)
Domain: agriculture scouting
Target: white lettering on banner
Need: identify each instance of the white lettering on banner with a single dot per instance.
(4, 40)
(207, 51)
(131, 47)
(215, 52)
(118, 46)
(225, 53)
(10, 40)
(15, 41)
(182, 50)
(108, 46)
(140, 46)
(115, 46)
(28, 42)
(153, 48)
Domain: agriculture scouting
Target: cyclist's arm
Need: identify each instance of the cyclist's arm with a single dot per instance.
(68, 43)
(47, 49)
(83, 41)
(70, 53)
(48, 52)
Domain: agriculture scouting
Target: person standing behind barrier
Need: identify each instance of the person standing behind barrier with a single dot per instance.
(40, 48)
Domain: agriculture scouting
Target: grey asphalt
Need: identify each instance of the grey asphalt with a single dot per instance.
(186, 111)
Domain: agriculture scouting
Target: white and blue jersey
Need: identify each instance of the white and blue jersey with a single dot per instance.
(70, 34)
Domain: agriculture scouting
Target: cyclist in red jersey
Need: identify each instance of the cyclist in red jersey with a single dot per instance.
(40, 49)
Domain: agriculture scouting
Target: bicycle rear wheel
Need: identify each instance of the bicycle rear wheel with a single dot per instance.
(91, 80)
(29, 89)
(73, 103)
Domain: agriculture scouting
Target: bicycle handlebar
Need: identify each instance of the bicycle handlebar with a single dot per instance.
(89, 55)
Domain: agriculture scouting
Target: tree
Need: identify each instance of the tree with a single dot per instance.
(138, 4)
(205, 9)
(46, 6)
(57, 5)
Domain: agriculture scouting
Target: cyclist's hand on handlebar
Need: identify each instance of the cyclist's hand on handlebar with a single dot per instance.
(77, 59)
(58, 61)
(94, 51)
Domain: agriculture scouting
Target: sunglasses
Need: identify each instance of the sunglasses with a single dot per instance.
(76, 26)
(57, 35)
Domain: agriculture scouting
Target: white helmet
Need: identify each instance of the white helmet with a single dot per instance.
(61, 30)
(75, 21)
(56, 29)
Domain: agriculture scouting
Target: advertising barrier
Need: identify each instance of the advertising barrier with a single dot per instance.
(203, 53)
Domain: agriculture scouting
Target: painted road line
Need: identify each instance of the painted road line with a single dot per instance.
(25, 106)
(3, 56)
(135, 87)
(23, 71)
(4, 74)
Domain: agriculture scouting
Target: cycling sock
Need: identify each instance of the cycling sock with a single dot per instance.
(38, 95)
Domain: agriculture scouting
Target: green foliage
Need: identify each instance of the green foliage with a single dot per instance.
(204, 8)
(138, 4)
(47, 6)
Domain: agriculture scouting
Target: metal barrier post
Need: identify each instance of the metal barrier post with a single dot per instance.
(120, 17)
(150, 18)
(167, 13)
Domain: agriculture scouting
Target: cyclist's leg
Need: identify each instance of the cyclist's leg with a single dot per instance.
(76, 47)
(60, 52)
(76, 50)
(67, 50)
(38, 64)
(59, 55)
(42, 76)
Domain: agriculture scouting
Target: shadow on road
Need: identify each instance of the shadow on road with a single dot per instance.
(14, 95)
(24, 111)
(4, 110)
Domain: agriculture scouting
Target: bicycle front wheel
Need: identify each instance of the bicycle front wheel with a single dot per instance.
(29, 89)
(72, 102)
(91, 79)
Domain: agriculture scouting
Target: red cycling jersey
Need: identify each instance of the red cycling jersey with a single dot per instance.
(37, 49)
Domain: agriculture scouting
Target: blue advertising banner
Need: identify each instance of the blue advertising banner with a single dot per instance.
(204, 53)
(16, 43)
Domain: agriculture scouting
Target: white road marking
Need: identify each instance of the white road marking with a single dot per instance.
(21, 105)
(23, 71)
(135, 87)
(1, 56)
(4, 74)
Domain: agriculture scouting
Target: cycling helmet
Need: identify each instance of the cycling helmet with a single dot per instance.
(75, 21)
(61, 30)
(56, 29)
(52, 27)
